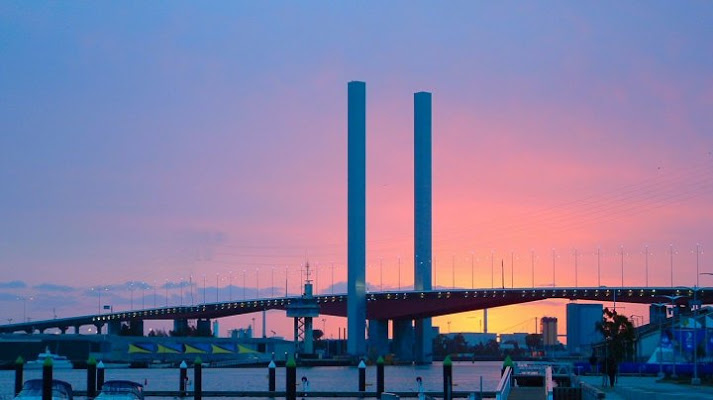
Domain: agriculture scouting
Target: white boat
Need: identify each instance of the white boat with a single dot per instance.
(32, 390)
(121, 390)
(58, 362)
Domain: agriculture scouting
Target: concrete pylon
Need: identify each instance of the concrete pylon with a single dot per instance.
(356, 218)
(423, 257)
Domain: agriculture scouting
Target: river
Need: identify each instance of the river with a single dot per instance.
(466, 377)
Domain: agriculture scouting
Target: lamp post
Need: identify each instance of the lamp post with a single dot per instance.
(399, 279)
(599, 266)
(661, 375)
(647, 266)
(576, 267)
(553, 267)
(532, 270)
(24, 307)
(670, 250)
(622, 265)
(131, 291)
(673, 299)
(492, 270)
(381, 275)
(180, 287)
(99, 302)
(472, 270)
(453, 273)
(695, 305)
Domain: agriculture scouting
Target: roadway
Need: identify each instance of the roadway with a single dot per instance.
(383, 305)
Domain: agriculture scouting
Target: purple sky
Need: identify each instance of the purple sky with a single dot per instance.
(159, 142)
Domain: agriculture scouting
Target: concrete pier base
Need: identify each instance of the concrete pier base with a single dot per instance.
(378, 342)
(403, 340)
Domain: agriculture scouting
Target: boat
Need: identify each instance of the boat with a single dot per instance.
(121, 390)
(58, 362)
(32, 390)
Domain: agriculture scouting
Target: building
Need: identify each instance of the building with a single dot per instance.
(548, 327)
(581, 327)
(518, 339)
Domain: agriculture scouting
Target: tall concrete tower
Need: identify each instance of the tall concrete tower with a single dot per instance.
(356, 218)
(423, 256)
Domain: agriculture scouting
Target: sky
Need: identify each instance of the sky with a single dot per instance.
(176, 152)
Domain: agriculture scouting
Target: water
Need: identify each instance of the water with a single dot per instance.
(466, 377)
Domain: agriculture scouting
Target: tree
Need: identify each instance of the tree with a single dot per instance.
(618, 334)
(533, 341)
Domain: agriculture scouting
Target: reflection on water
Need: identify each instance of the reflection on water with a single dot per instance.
(466, 377)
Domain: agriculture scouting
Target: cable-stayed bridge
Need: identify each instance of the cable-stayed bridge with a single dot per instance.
(381, 305)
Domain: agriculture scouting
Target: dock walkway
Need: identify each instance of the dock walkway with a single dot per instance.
(649, 388)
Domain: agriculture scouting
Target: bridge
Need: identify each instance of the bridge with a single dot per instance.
(402, 305)
(410, 311)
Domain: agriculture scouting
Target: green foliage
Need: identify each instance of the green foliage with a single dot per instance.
(618, 334)
(534, 341)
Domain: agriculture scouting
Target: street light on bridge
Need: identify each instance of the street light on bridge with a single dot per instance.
(673, 299)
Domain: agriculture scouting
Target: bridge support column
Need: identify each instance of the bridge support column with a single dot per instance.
(136, 327)
(303, 310)
(423, 257)
(309, 336)
(113, 327)
(180, 327)
(76, 329)
(99, 328)
(203, 327)
(63, 329)
(356, 217)
(423, 351)
(403, 340)
(378, 338)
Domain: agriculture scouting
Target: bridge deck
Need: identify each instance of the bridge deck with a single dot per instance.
(387, 305)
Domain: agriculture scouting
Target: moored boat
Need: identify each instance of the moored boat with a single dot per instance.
(121, 390)
(58, 362)
(32, 390)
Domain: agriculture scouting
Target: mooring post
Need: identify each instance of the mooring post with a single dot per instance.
(271, 374)
(291, 379)
(447, 378)
(362, 376)
(198, 379)
(379, 376)
(182, 378)
(100, 375)
(47, 379)
(91, 377)
(19, 368)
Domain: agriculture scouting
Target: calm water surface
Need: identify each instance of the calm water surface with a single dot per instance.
(466, 377)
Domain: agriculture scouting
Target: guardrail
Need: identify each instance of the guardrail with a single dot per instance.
(505, 385)
(549, 383)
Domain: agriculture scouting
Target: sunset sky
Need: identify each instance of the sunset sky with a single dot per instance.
(146, 145)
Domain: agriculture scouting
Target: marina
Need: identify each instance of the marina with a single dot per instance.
(332, 382)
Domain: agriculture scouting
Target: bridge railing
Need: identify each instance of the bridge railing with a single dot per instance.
(549, 383)
(505, 385)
